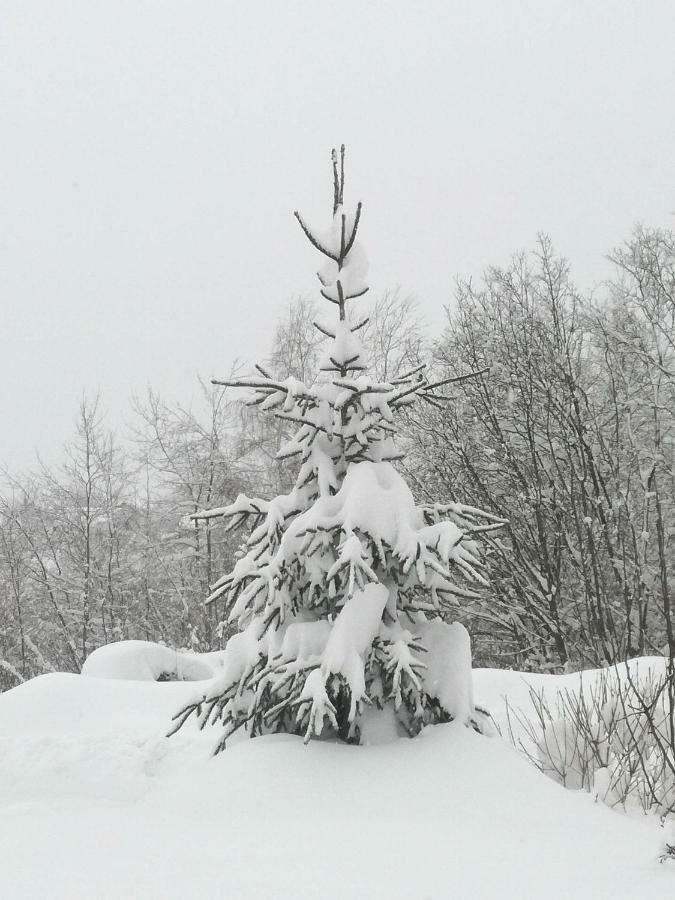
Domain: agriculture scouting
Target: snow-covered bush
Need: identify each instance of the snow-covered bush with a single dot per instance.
(146, 661)
(337, 592)
(615, 737)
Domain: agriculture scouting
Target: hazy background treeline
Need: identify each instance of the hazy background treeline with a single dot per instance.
(569, 435)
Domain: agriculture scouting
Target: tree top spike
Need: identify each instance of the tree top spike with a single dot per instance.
(336, 181)
(338, 177)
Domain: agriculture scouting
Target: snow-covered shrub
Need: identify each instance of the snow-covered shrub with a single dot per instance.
(614, 737)
(146, 661)
(338, 590)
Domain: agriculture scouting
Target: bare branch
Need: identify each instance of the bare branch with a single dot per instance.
(457, 378)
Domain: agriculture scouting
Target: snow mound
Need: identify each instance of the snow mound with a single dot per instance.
(145, 661)
(494, 687)
(448, 675)
(65, 737)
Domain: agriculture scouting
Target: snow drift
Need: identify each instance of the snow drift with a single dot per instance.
(90, 785)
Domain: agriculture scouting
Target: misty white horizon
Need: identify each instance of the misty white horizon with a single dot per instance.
(152, 155)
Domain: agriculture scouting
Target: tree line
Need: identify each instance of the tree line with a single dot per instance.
(568, 435)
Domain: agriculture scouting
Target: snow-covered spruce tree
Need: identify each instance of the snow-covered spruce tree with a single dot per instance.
(337, 590)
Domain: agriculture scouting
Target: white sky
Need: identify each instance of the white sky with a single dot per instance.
(152, 153)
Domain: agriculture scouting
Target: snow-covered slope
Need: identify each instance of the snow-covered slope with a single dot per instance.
(95, 802)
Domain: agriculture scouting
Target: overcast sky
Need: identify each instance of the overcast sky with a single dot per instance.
(152, 153)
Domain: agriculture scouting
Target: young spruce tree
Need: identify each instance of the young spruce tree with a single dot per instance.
(338, 588)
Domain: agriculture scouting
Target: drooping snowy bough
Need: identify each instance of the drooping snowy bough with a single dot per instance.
(338, 588)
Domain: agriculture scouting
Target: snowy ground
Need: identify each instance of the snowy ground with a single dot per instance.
(95, 802)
